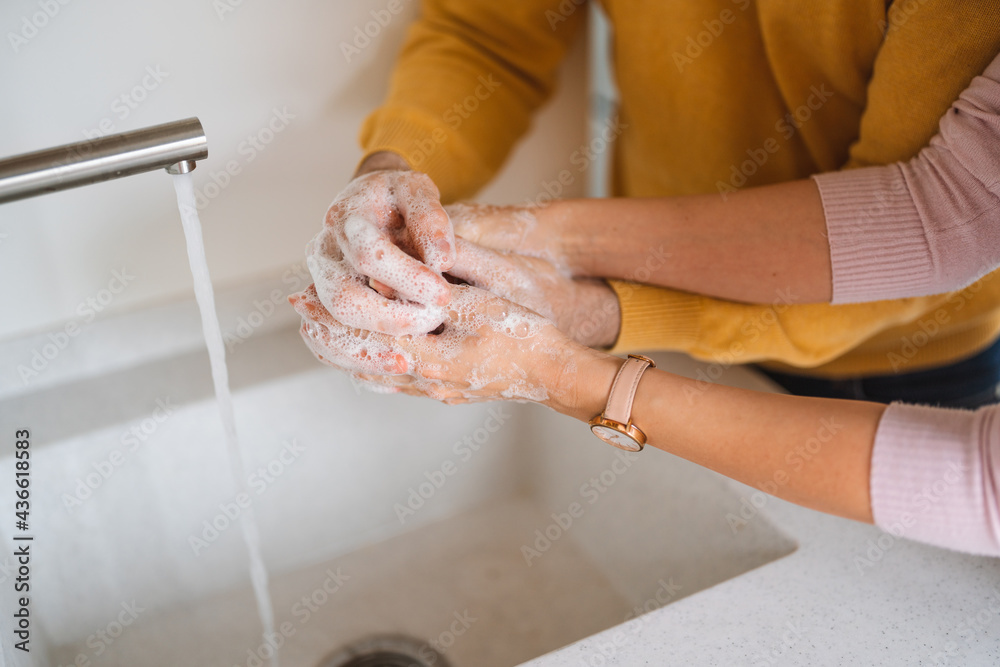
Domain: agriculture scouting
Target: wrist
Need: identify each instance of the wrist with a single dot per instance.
(564, 233)
(582, 382)
(583, 234)
(597, 320)
(381, 161)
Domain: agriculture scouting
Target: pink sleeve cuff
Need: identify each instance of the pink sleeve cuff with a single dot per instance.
(936, 474)
(878, 249)
(927, 226)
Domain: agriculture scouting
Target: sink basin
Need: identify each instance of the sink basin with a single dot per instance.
(495, 533)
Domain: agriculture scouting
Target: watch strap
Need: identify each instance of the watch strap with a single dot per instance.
(623, 389)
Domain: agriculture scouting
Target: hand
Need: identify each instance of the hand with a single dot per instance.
(386, 230)
(526, 230)
(586, 310)
(489, 349)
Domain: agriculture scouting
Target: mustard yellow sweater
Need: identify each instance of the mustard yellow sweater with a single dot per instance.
(716, 95)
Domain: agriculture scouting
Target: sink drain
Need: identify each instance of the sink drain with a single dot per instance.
(386, 651)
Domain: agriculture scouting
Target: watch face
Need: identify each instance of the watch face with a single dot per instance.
(615, 438)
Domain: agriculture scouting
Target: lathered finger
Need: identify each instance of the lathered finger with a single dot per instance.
(354, 349)
(419, 202)
(347, 296)
(371, 252)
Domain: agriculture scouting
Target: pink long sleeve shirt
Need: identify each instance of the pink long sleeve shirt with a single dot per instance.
(928, 226)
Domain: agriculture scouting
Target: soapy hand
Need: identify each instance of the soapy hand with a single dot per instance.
(586, 310)
(388, 231)
(489, 349)
(526, 230)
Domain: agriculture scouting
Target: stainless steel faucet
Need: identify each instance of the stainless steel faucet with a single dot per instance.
(172, 146)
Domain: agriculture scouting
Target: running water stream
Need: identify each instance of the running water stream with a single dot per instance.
(184, 185)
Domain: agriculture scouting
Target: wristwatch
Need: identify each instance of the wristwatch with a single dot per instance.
(614, 426)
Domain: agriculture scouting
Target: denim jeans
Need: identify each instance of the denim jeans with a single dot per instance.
(969, 383)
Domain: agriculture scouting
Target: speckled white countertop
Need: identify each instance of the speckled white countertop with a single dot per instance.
(822, 605)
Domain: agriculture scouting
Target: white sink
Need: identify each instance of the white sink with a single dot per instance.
(497, 535)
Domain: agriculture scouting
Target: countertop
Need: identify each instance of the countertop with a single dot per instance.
(851, 594)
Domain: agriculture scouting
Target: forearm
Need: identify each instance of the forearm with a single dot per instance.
(920, 227)
(813, 452)
(469, 76)
(746, 247)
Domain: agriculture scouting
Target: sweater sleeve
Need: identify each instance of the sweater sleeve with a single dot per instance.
(892, 129)
(729, 332)
(469, 77)
(926, 226)
(935, 476)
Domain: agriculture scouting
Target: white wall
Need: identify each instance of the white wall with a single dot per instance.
(231, 70)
